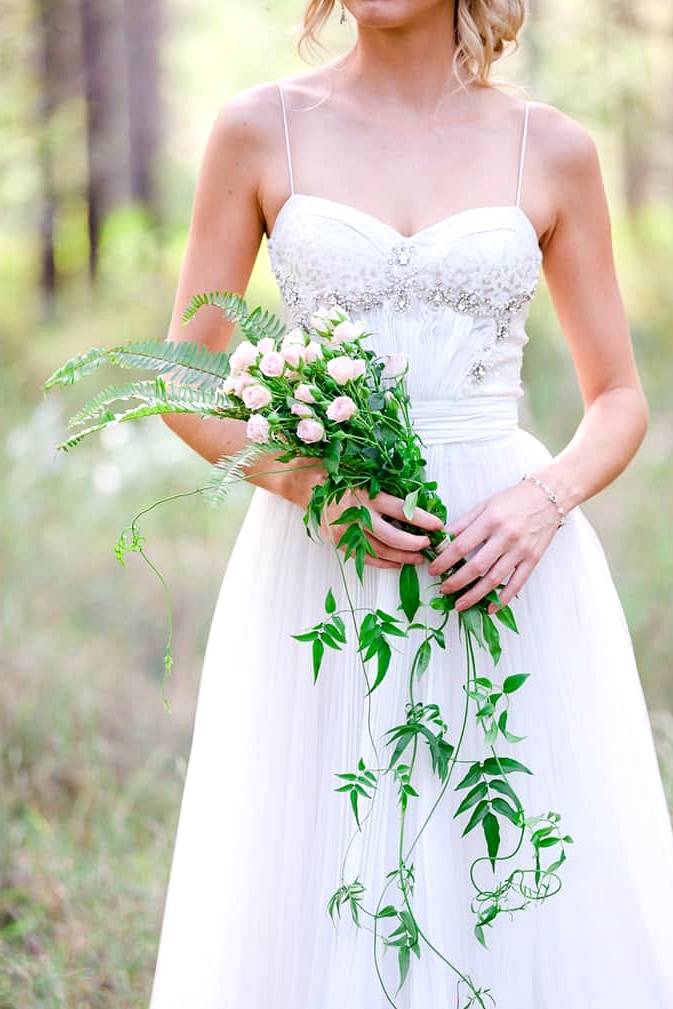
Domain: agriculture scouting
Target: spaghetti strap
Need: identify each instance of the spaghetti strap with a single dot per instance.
(287, 137)
(522, 155)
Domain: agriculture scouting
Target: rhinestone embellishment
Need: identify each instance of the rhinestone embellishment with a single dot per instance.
(478, 371)
(501, 330)
(403, 254)
(400, 281)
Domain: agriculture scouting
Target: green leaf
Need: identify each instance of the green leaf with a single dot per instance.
(422, 659)
(410, 505)
(111, 420)
(384, 655)
(471, 620)
(506, 617)
(515, 681)
(354, 806)
(318, 652)
(410, 591)
(230, 470)
(403, 958)
(306, 636)
(478, 813)
(492, 834)
(474, 795)
(330, 602)
(500, 785)
(557, 864)
(504, 765)
(491, 636)
(77, 368)
(503, 807)
(233, 305)
(548, 842)
(472, 776)
(479, 932)
(387, 912)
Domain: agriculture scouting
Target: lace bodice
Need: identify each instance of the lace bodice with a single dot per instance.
(453, 297)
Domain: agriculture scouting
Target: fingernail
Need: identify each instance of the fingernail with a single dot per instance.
(493, 609)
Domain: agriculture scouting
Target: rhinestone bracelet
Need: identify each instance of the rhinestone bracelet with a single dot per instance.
(550, 496)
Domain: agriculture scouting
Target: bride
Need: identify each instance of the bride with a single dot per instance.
(400, 184)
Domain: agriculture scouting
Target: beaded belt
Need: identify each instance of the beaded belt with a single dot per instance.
(474, 418)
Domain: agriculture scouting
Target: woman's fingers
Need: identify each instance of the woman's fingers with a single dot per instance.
(496, 575)
(517, 581)
(386, 556)
(398, 557)
(392, 506)
(460, 524)
(472, 537)
(394, 537)
(479, 565)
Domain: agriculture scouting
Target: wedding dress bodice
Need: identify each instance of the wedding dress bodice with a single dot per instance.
(453, 297)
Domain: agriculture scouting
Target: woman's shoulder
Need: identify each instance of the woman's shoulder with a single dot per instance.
(561, 142)
(254, 111)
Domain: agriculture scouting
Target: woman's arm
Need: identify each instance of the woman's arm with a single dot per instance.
(225, 233)
(516, 526)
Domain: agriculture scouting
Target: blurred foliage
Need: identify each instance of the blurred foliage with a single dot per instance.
(91, 765)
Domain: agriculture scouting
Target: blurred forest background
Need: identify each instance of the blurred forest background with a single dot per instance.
(106, 106)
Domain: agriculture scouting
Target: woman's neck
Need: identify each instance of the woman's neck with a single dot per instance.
(408, 65)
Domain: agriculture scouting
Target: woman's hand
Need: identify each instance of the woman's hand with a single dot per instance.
(509, 533)
(394, 547)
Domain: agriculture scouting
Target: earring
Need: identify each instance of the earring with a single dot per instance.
(342, 19)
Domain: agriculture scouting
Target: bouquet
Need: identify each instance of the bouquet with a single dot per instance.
(323, 395)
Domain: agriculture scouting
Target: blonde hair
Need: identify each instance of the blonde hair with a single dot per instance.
(483, 29)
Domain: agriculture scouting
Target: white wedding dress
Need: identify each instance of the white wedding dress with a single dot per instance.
(262, 831)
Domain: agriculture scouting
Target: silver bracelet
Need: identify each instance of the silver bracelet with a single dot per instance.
(550, 496)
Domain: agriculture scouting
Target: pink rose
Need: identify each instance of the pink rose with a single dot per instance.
(312, 352)
(310, 431)
(342, 408)
(304, 393)
(244, 355)
(301, 410)
(294, 336)
(256, 396)
(336, 313)
(320, 320)
(242, 382)
(229, 385)
(272, 364)
(345, 332)
(293, 354)
(266, 345)
(344, 369)
(396, 365)
(257, 429)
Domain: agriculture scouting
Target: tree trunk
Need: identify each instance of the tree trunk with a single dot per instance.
(142, 22)
(104, 91)
(47, 21)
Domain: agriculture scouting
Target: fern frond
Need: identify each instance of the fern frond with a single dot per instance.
(255, 325)
(109, 419)
(233, 305)
(187, 362)
(151, 391)
(261, 324)
(77, 367)
(230, 470)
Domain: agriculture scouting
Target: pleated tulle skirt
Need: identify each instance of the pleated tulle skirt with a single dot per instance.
(262, 833)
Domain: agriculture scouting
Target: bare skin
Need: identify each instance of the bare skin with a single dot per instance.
(389, 107)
